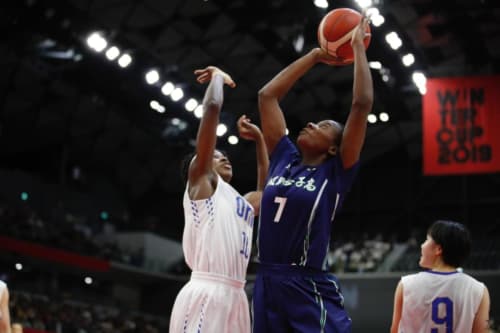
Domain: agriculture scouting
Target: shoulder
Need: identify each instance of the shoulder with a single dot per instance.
(411, 277)
(472, 280)
(284, 148)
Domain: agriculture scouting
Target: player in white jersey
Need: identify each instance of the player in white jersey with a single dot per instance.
(442, 299)
(4, 308)
(218, 226)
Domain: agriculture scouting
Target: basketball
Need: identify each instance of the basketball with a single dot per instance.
(335, 32)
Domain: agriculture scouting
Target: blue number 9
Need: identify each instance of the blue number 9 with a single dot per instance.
(448, 317)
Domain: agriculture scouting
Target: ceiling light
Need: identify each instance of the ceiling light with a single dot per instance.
(112, 53)
(124, 60)
(152, 76)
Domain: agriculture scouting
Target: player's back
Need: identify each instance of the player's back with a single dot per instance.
(439, 302)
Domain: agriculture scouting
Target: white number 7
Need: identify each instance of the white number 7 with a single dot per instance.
(281, 201)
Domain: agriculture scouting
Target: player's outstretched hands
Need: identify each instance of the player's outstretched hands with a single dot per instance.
(324, 57)
(359, 33)
(205, 75)
(246, 129)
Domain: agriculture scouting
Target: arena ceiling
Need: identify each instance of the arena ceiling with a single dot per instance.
(65, 106)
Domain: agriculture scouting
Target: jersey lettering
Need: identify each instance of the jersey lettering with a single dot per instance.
(300, 182)
(244, 210)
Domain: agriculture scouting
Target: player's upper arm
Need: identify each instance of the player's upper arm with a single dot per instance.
(398, 307)
(4, 312)
(254, 199)
(481, 320)
(272, 121)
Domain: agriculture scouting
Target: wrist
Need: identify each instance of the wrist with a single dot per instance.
(358, 44)
(316, 54)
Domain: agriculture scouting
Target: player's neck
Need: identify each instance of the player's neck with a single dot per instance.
(443, 268)
(313, 159)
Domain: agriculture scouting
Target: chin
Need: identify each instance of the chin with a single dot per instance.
(301, 142)
(422, 264)
(227, 175)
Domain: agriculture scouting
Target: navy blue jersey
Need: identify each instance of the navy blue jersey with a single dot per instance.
(298, 207)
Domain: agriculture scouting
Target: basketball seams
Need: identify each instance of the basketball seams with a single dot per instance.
(335, 23)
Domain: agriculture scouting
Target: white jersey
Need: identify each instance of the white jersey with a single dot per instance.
(3, 286)
(439, 302)
(217, 244)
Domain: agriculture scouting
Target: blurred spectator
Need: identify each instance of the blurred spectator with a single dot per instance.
(70, 316)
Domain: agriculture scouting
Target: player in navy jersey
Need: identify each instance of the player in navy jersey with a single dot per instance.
(305, 189)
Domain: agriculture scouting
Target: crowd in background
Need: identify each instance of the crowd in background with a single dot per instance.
(42, 313)
(366, 253)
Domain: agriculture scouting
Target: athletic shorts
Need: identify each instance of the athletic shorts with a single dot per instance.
(211, 303)
(295, 299)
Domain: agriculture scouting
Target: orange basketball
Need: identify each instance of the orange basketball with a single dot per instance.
(335, 32)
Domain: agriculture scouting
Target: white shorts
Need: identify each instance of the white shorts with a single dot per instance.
(211, 303)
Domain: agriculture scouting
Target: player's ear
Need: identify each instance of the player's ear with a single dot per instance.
(439, 250)
(332, 150)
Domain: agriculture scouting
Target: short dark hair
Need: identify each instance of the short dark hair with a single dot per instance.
(454, 239)
(338, 137)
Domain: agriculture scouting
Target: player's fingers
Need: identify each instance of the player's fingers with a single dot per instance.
(200, 71)
(203, 77)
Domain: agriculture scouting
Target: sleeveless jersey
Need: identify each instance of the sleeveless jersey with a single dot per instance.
(217, 244)
(298, 207)
(218, 232)
(439, 302)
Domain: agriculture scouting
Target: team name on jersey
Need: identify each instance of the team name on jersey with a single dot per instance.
(308, 185)
(244, 210)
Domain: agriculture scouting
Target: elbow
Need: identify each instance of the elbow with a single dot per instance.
(265, 93)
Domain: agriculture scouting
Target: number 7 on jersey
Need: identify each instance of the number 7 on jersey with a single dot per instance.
(281, 201)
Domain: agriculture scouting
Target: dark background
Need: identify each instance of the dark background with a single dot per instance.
(63, 106)
(77, 134)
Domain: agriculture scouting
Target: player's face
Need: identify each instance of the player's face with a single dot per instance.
(430, 251)
(319, 137)
(222, 166)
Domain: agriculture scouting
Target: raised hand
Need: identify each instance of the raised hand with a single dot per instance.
(247, 130)
(205, 75)
(359, 33)
(324, 57)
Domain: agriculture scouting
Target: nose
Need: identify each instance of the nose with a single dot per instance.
(310, 125)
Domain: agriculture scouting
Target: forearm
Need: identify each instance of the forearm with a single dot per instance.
(206, 137)
(214, 95)
(262, 162)
(285, 79)
(363, 84)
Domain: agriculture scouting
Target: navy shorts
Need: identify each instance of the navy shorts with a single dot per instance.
(294, 299)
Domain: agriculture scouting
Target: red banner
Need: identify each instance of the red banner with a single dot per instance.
(461, 125)
(51, 254)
